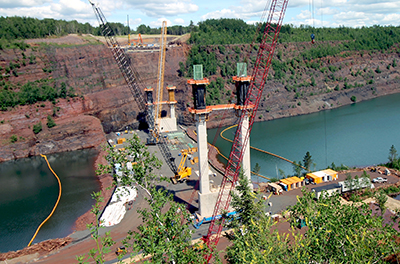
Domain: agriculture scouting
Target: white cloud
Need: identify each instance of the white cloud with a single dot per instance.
(22, 3)
(71, 8)
(225, 13)
(391, 19)
(305, 14)
(251, 6)
(179, 21)
(137, 21)
(169, 9)
(158, 8)
(326, 11)
(158, 23)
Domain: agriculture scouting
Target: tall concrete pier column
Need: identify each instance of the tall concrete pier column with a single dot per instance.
(246, 155)
(207, 197)
(242, 82)
(171, 101)
(168, 124)
(202, 146)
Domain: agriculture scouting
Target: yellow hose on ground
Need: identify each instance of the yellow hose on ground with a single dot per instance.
(55, 206)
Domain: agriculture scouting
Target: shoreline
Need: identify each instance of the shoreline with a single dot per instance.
(105, 181)
(48, 246)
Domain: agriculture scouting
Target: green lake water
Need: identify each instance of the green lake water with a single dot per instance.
(355, 135)
(28, 192)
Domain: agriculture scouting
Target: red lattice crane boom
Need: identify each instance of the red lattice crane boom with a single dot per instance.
(249, 110)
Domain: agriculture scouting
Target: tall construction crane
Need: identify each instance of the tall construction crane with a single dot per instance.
(160, 79)
(248, 111)
(133, 80)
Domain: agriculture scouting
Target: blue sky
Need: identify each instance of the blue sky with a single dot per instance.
(334, 13)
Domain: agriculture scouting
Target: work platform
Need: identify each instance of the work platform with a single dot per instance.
(177, 141)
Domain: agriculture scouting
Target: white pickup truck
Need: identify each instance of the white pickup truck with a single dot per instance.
(379, 180)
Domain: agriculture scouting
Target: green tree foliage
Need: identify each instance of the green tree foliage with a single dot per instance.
(26, 27)
(177, 30)
(200, 55)
(394, 161)
(37, 128)
(279, 68)
(392, 154)
(42, 90)
(381, 198)
(342, 167)
(50, 122)
(245, 203)
(307, 160)
(215, 92)
(251, 238)
(222, 31)
(13, 138)
(297, 168)
(164, 235)
(103, 243)
(340, 233)
(335, 233)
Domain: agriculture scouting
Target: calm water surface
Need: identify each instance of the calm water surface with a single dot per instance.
(355, 135)
(28, 192)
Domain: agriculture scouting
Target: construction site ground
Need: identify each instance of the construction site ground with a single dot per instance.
(82, 242)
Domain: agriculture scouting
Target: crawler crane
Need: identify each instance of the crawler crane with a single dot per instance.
(134, 83)
(247, 111)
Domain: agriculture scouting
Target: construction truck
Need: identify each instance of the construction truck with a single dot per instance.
(183, 172)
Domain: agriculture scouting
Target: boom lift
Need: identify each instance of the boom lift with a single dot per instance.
(247, 111)
(133, 81)
(184, 172)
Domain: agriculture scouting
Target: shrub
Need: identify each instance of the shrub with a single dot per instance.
(50, 122)
(353, 99)
(37, 128)
(377, 70)
(14, 138)
(32, 59)
(392, 189)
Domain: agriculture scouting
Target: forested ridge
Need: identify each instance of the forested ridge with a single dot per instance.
(209, 32)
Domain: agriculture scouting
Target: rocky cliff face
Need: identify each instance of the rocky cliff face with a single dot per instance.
(105, 104)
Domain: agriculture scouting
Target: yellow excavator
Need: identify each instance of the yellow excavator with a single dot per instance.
(183, 172)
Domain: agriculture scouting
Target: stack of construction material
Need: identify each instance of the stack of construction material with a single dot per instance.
(115, 211)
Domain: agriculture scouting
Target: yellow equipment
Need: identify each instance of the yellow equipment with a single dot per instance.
(183, 172)
(160, 79)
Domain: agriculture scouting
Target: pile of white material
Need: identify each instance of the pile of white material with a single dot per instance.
(115, 211)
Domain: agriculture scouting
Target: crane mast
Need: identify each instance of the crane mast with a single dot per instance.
(160, 80)
(249, 110)
(133, 81)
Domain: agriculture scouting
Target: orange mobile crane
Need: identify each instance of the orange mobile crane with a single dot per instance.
(137, 42)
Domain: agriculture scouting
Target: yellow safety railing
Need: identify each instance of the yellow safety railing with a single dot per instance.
(55, 206)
